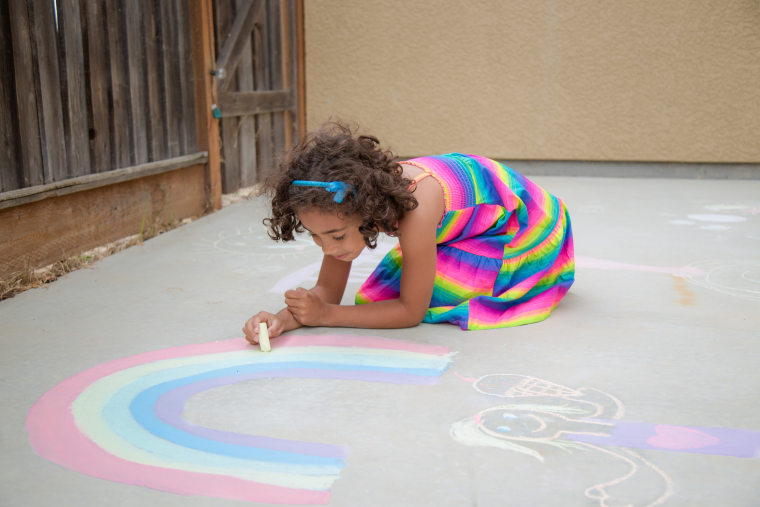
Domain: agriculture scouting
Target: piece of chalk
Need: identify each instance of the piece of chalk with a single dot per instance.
(264, 337)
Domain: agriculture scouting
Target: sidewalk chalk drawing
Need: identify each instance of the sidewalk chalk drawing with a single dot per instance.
(361, 268)
(608, 265)
(720, 217)
(543, 415)
(251, 248)
(122, 420)
(738, 278)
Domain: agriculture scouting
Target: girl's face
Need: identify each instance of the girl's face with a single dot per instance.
(338, 235)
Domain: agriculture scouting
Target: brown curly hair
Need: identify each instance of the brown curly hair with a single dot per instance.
(334, 153)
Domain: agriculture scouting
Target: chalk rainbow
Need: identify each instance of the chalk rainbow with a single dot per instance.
(121, 420)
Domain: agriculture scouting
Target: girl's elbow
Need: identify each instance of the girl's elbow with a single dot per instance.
(416, 317)
(413, 315)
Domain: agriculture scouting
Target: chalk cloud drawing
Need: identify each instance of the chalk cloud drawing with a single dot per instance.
(122, 420)
(543, 415)
(739, 278)
(719, 219)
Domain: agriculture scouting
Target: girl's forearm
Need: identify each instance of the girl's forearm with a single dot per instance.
(379, 315)
(290, 323)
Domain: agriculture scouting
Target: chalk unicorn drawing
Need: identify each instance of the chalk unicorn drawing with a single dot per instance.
(122, 420)
(547, 415)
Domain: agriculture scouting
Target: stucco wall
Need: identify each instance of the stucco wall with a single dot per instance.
(646, 80)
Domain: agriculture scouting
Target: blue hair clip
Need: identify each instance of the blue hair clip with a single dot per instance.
(339, 188)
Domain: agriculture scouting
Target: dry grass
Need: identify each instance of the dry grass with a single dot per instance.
(30, 278)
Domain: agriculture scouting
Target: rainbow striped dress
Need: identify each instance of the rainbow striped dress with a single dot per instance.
(505, 248)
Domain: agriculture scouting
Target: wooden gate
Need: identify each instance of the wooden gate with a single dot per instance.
(257, 46)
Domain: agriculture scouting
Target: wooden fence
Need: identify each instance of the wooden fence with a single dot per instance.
(93, 86)
(115, 113)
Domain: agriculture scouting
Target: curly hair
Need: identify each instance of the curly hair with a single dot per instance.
(334, 153)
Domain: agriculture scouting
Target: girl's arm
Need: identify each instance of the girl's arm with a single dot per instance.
(417, 235)
(332, 280)
(333, 276)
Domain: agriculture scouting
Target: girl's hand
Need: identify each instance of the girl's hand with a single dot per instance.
(306, 307)
(275, 326)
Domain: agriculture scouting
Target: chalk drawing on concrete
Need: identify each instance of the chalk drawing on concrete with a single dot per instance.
(546, 415)
(721, 217)
(253, 243)
(739, 278)
(361, 268)
(122, 420)
(749, 208)
(609, 265)
(543, 415)
(716, 218)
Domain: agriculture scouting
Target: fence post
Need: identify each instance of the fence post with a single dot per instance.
(202, 34)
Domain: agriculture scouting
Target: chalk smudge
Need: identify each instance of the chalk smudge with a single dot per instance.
(687, 296)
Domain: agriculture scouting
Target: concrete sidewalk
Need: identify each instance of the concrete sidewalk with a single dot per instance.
(641, 388)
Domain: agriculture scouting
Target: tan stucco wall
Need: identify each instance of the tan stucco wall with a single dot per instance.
(646, 80)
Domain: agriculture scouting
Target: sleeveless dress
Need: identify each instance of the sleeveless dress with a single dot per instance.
(505, 248)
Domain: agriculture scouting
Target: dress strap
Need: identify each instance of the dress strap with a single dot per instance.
(419, 178)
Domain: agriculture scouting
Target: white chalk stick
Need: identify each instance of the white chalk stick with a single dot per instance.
(264, 337)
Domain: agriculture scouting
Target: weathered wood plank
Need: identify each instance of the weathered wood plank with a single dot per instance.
(287, 68)
(30, 194)
(121, 141)
(99, 82)
(250, 13)
(10, 156)
(26, 85)
(263, 82)
(300, 69)
(49, 105)
(169, 73)
(135, 45)
(246, 133)
(276, 78)
(191, 122)
(155, 119)
(50, 230)
(258, 102)
(75, 124)
(224, 14)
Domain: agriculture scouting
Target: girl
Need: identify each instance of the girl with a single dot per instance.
(480, 245)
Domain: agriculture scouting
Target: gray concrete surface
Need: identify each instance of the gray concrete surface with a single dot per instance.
(664, 317)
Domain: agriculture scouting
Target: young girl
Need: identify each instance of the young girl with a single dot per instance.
(480, 245)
